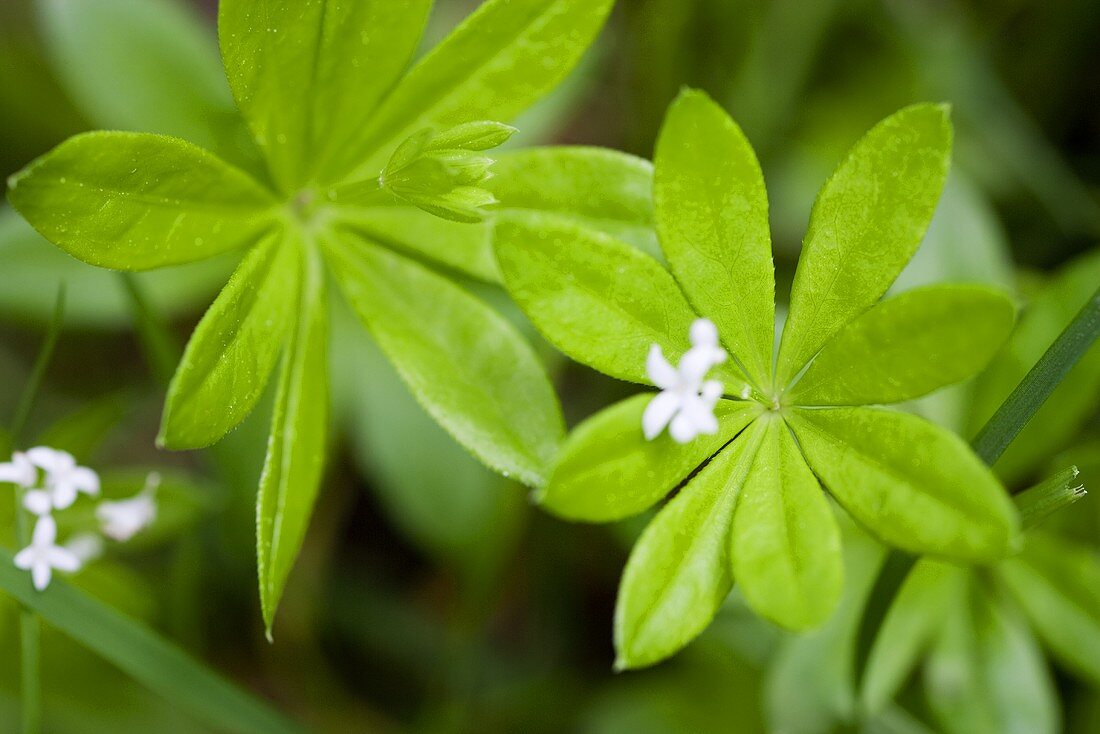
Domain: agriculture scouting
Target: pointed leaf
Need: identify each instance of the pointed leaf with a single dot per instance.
(931, 592)
(607, 470)
(502, 58)
(231, 354)
(465, 364)
(917, 486)
(785, 543)
(867, 222)
(296, 449)
(678, 573)
(144, 65)
(133, 201)
(596, 299)
(908, 346)
(1058, 586)
(712, 219)
(308, 74)
(987, 674)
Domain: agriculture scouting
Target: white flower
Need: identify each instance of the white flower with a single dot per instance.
(41, 557)
(686, 401)
(87, 547)
(64, 479)
(123, 519)
(19, 471)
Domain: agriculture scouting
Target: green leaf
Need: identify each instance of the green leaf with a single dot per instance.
(917, 486)
(296, 449)
(596, 188)
(867, 222)
(987, 675)
(785, 543)
(1057, 584)
(231, 354)
(598, 300)
(134, 201)
(144, 65)
(502, 58)
(142, 654)
(607, 470)
(1059, 419)
(929, 594)
(465, 364)
(908, 346)
(712, 220)
(96, 298)
(679, 571)
(308, 75)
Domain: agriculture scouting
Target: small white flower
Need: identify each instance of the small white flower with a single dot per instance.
(64, 479)
(686, 401)
(86, 547)
(123, 519)
(19, 471)
(41, 557)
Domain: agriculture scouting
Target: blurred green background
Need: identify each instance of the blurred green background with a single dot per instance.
(432, 596)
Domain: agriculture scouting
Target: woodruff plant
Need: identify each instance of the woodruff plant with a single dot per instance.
(750, 504)
(323, 87)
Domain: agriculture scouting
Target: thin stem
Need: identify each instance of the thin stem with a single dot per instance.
(1039, 383)
(1044, 499)
(30, 632)
(161, 349)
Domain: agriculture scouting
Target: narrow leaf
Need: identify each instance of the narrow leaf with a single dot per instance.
(596, 299)
(502, 58)
(296, 449)
(152, 661)
(607, 470)
(785, 543)
(908, 346)
(679, 571)
(465, 364)
(1057, 584)
(915, 485)
(867, 222)
(712, 219)
(134, 201)
(308, 75)
(231, 354)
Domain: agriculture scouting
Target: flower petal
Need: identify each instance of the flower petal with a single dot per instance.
(84, 480)
(45, 532)
(63, 494)
(658, 413)
(19, 471)
(711, 392)
(51, 460)
(700, 414)
(696, 362)
(41, 574)
(704, 333)
(682, 429)
(38, 502)
(63, 560)
(661, 373)
(24, 559)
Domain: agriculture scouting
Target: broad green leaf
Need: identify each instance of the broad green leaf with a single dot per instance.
(785, 542)
(465, 364)
(1057, 584)
(930, 592)
(596, 188)
(915, 485)
(231, 354)
(712, 219)
(502, 58)
(144, 65)
(95, 298)
(607, 470)
(908, 346)
(867, 222)
(679, 571)
(307, 74)
(596, 299)
(134, 201)
(148, 658)
(1073, 401)
(296, 450)
(986, 673)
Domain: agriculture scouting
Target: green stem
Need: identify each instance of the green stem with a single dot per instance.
(161, 349)
(1044, 499)
(30, 632)
(1039, 383)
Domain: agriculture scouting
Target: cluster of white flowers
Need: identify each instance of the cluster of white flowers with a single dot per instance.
(51, 481)
(686, 402)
